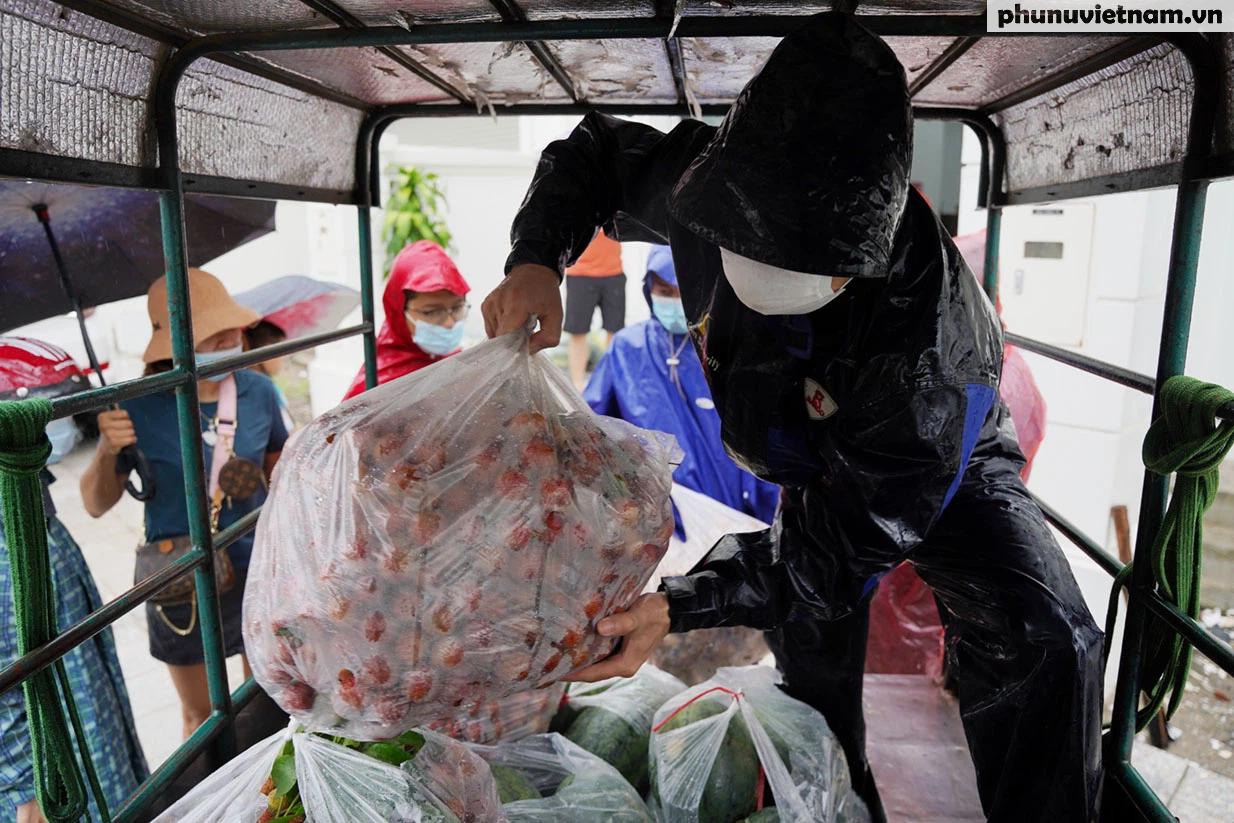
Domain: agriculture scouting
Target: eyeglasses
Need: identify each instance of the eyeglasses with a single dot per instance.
(438, 316)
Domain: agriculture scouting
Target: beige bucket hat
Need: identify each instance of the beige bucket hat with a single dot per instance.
(214, 311)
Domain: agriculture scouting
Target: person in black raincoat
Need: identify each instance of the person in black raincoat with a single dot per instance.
(854, 361)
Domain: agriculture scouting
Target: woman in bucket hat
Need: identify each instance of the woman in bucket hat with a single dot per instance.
(151, 421)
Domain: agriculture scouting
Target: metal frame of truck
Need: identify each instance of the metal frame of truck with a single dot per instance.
(1201, 161)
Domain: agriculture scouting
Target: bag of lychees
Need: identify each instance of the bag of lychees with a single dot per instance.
(448, 539)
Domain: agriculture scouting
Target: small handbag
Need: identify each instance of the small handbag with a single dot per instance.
(155, 556)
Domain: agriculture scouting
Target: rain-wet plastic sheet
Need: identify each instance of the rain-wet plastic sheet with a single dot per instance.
(810, 786)
(448, 539)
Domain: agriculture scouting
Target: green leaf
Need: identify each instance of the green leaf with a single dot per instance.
(387, 753)
(284, 773)
(411, 740)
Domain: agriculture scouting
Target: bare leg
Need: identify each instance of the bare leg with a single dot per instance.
(194, 691)
(576, 358)
(609, 342)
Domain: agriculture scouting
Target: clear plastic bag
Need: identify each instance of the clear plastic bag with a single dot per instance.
(510, 718)
(232, 794)
(714, 745)
(612, 718)
(576, 786)
(694, 656)
(288, 775)
(448, 539)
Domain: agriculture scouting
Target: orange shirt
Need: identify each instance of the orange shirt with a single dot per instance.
(601, 259)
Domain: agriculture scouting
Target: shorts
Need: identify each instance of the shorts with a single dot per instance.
(170, 648)
(583, 294)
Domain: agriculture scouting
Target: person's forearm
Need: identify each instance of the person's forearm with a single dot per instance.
(101, 486)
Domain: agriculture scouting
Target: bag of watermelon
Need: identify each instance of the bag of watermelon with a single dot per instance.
(420, 777)
(726, 749)
(448, 539)
(547, 779)
(694, 656)
(612, 718)
(510, 718)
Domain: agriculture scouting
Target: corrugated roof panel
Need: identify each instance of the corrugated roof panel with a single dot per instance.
(1130, 116)
(214, 16)
(364, 73)
(718, 68)
(996, 67)
(75, 86)
(618, 70)
(238, 126)
(578, 9)
(918, 53)
(405, 12)
(501, 72)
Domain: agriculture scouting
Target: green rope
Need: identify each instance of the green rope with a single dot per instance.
(1186, 441)
(23, 454)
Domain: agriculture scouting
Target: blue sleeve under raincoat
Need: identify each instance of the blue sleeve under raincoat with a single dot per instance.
(652, 378)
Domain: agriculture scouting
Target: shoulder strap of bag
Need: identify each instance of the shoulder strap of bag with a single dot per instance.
(224, 447)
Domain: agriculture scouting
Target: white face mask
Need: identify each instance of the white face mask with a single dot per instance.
(770, 290)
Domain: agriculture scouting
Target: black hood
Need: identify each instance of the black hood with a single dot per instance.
(809, 170)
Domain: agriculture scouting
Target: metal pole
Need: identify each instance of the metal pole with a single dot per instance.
(365, 218)
(993, 229)
(171, 210)
(1171, 360)
(40, 211)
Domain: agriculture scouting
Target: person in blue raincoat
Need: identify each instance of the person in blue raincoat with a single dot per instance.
(855, 362)
(651, 377)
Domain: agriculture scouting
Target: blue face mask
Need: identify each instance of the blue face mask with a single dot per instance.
(63, 435)
(669, 312)
(438, 340)
(204, 357)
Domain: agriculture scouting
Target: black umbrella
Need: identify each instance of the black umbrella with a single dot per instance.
(63, 248)
(110, 240)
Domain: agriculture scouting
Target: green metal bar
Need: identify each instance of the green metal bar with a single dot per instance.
(38, 659)
(365, 224)
(171, 205)
(1213, 647)
(1142, 795)
(237, 530)
(208, 733)
(993, 235)
(1083, 542)
(1171, 360)
(252, 358)
(105, 396)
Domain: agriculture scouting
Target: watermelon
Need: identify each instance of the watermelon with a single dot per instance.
(614, 741)
(511, 785)
(771, 815)
(731, 793)
(567, 714)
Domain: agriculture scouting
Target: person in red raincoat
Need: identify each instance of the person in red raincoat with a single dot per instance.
(906, 634)
(426, 303)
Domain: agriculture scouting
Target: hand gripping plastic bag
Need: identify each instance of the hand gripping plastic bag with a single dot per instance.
(305, 776)
(612, 718)
(509, 718)
(448, 539)
(548, 779)
(726, 748)
(694, 656)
